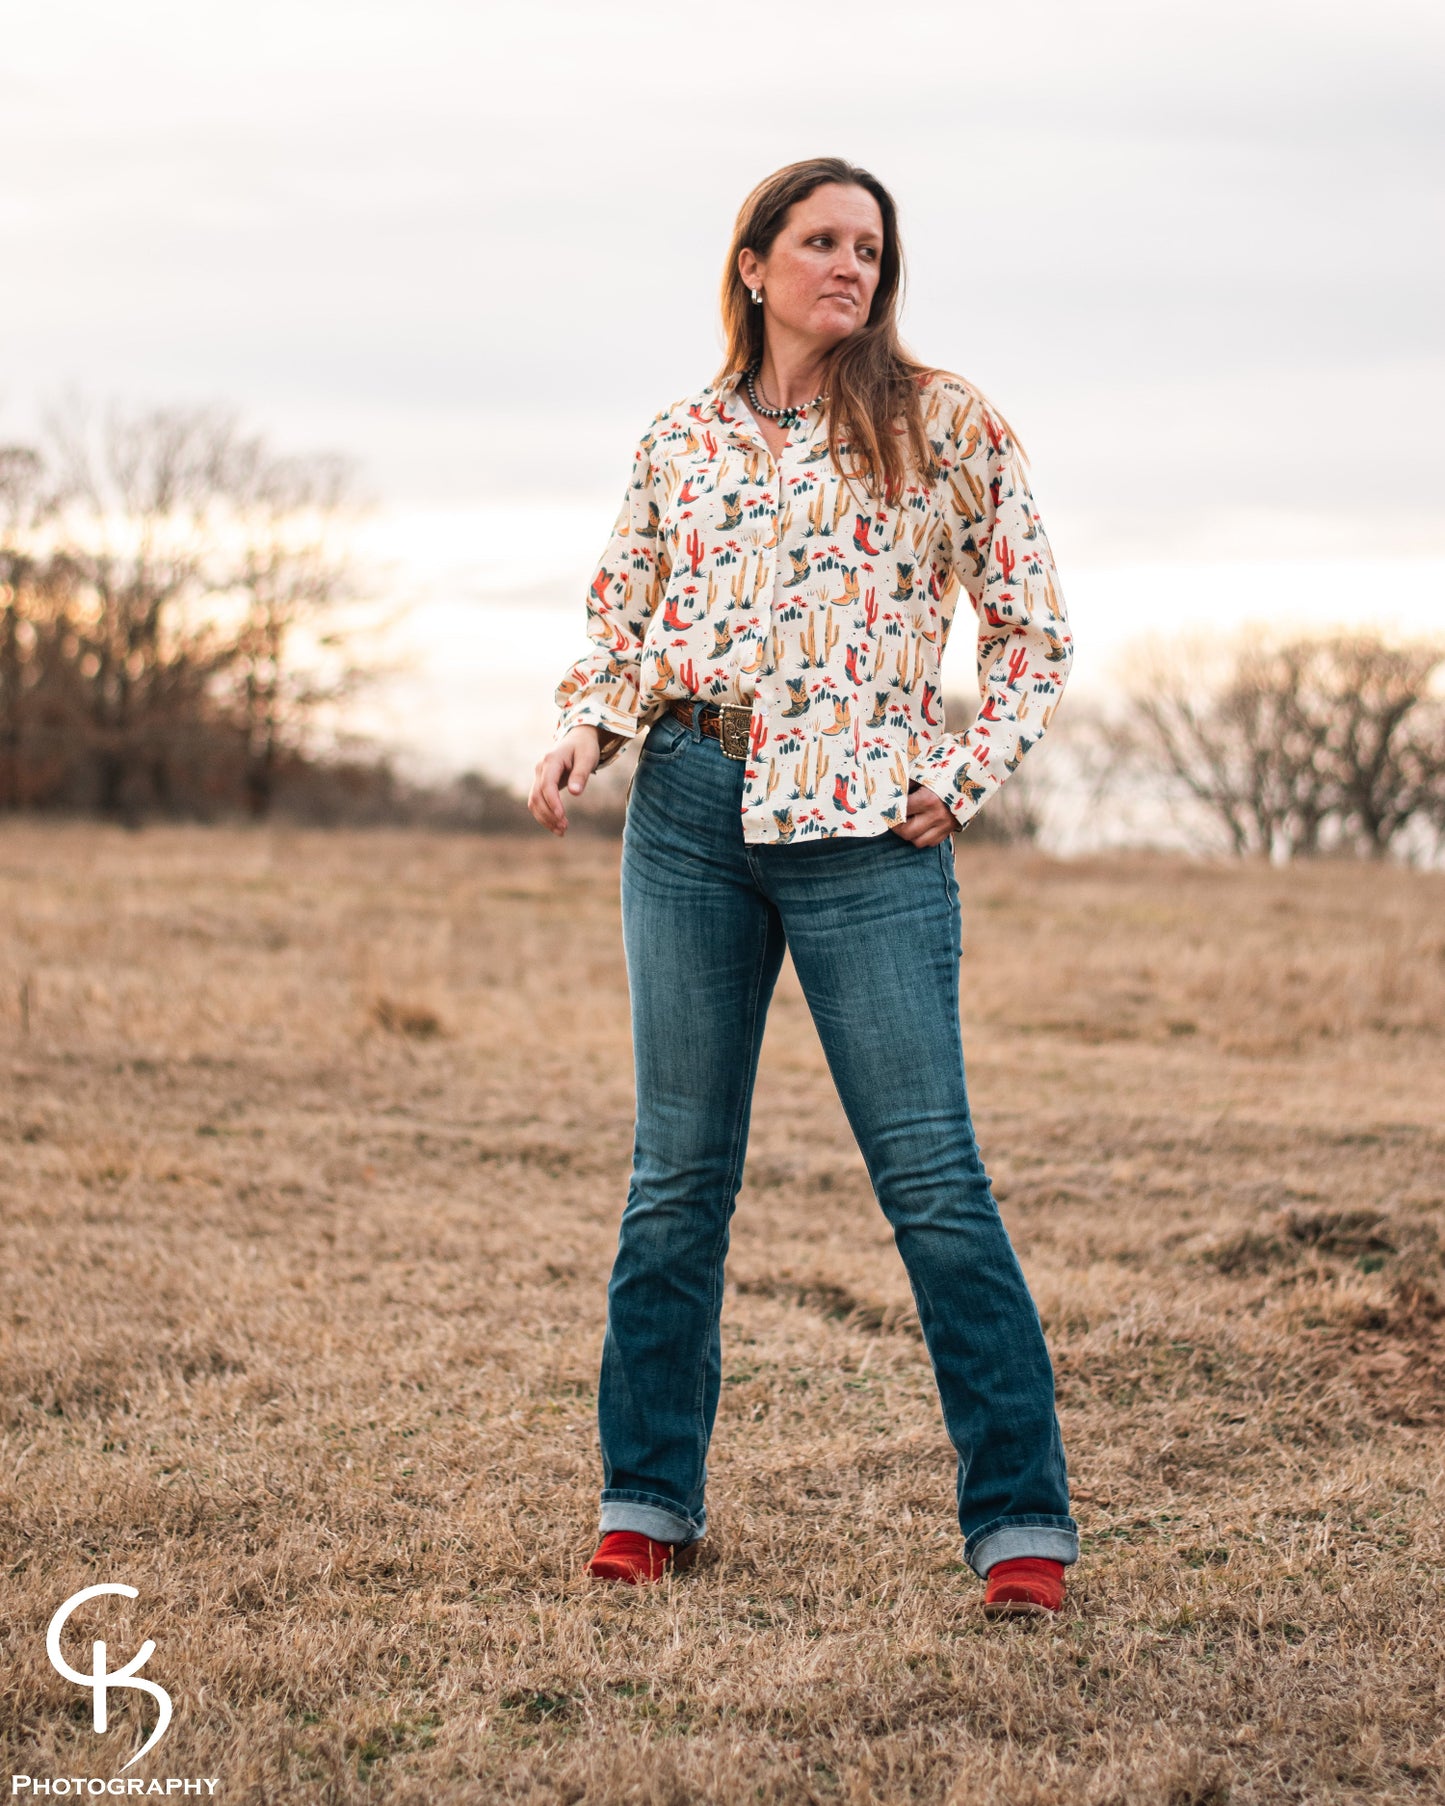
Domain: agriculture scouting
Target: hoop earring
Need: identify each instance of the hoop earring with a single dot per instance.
(757, 294)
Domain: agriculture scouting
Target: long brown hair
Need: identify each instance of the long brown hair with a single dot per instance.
(874, 405)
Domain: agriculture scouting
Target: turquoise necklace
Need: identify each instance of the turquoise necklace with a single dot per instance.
(788, 416)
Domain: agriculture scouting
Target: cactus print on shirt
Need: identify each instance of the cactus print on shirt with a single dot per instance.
(734, 577)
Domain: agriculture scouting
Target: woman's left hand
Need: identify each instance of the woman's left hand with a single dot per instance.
(929, 818)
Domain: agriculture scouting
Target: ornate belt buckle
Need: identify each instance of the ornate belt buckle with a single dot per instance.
(734, 723)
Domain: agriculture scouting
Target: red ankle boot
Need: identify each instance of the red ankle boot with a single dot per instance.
(1027, 1587)
(630, 1556)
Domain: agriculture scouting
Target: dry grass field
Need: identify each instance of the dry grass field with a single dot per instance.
(314, 1150)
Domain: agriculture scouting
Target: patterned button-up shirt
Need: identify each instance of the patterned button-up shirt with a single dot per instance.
(732, 576)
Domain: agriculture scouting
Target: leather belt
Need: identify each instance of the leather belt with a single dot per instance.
(726, 722)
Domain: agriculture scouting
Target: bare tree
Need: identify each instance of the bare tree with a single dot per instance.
(157, 570)
(1384, 734)
(24, 504)
(138, 537)
(292, 577)
(1295, 746)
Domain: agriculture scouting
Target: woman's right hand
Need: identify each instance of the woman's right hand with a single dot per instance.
(576, 753)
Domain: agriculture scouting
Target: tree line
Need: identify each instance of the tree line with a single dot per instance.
(1289, 746)
(157, 571)
(1263, 745)
(171, 638)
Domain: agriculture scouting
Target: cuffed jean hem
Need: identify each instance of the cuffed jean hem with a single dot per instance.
(663, 1525)
(1005, 1539)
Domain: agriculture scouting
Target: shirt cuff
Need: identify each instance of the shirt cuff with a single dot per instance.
(948, 770)
(611, 745)
(613, 732)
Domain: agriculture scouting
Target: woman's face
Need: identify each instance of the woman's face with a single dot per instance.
(821, 273)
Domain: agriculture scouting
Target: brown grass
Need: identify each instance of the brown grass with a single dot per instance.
(313, 1158)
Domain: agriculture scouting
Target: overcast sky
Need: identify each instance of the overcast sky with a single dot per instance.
(1194, 251)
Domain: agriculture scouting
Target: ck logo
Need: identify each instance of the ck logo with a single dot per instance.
(102, 1679)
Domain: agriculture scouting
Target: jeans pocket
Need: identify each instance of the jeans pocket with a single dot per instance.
(665, 738)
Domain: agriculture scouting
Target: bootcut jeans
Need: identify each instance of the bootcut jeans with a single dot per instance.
(874, 930)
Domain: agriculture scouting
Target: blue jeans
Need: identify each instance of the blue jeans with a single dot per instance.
(874, 930)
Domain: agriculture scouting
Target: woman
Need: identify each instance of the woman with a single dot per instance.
(772, 610)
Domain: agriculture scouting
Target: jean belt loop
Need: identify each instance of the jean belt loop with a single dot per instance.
(694, 727)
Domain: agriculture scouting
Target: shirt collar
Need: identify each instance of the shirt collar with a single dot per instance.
(718, 399)
(724, 399)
